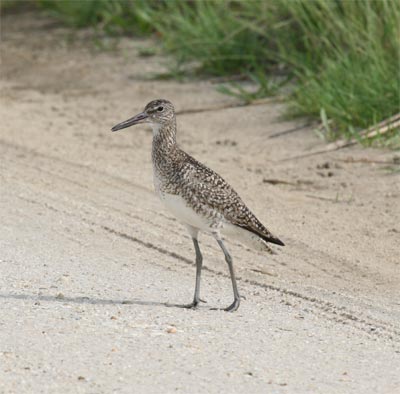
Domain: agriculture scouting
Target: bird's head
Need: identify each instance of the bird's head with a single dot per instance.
(158, 113)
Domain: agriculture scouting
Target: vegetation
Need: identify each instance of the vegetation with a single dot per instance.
(112, 16)
(341, 57)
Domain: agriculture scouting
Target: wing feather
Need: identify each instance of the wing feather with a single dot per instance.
(224, 199)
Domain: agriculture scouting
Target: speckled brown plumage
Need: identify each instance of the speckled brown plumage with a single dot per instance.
(196, 195)
(207, 193)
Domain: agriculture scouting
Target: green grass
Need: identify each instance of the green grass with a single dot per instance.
(343, 56)
(112, 16)
(349, 62)
(340, 57)
(212, 34)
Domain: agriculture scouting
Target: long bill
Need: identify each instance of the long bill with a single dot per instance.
(139, 118)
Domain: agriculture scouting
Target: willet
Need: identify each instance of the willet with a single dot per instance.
(196, 195)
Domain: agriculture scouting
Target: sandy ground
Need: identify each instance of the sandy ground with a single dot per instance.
(89, 257)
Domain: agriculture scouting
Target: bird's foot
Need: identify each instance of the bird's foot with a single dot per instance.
(231, 308)
(234, 306)
(193, 305)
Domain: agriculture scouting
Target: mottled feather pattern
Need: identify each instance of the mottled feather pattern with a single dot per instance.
(207, 193)
(197, 196)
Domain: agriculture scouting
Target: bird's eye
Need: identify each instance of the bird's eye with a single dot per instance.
(160, 109)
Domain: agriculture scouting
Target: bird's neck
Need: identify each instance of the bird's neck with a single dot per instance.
(164, 137)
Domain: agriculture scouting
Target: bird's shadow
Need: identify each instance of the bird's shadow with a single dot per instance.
(86, 300)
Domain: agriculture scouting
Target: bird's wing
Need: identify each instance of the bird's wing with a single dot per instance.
(201, 180)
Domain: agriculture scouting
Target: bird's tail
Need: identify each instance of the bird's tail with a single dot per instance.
(251, 240)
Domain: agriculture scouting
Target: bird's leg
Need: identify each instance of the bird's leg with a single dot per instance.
(235, 305)
(199, 264)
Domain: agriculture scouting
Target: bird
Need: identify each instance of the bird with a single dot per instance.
(199, 198)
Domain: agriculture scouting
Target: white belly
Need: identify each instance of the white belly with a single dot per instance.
(179, 208)
(186, 215)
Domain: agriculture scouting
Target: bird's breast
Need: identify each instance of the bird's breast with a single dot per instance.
(157, 181)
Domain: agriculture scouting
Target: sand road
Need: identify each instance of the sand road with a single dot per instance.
(89, 256)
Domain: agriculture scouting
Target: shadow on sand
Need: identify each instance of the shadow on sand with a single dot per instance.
(84, 300)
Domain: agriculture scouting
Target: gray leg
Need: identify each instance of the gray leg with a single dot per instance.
(199, 264)
(228, 258)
